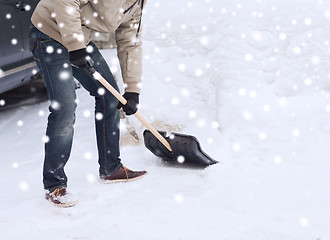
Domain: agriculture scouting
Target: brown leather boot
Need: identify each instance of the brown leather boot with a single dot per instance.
(60, 197)
(123, 174)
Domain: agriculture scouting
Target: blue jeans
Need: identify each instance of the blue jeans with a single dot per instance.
(52, 59)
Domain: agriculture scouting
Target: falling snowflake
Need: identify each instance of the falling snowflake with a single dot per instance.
(204, 41)
(87, 155)
(262, 136)
(215, 125)
(89, 49)
(308, 21)
(248, 57)
(14, 41)
(327, 14)
(308, 81)
(27, 8)
(327, 108)
(210, 140)
(283, 102)
(242, 92)
(180, 159)
(70, 10)
(304, 222)
(15, 165)
(278, 159)
(257, 36)
(87, 113)
(24, 186)
(178, 198)
(175, 101)
(55, 105)
(65, 75)
(181, 67)
(282, 36)
(99, 116)
(247, 115)
(236, 147)
(201, 123)
(315, 60)
(45, 139)
(101, 91)
(114, 68)
(41, 113)
(253, 94)
(2, 102)
(297, 50)
(185, 92)
(266, 107)
(91, 178)
(20, 123)
(198, 72)
(295, 132)
(192, 114)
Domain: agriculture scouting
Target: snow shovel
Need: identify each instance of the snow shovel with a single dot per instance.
(176, 147)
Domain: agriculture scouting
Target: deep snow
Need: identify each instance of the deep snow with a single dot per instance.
(249, 79)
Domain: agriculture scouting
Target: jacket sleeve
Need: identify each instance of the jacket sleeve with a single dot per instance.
(67, 15)
(129, 50)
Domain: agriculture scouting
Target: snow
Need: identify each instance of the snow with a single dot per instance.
(250, 80)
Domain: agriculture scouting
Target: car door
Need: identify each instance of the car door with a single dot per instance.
(11, 43)
(16, 61)
(26, 8)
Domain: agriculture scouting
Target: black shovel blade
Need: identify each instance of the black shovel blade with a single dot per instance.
(186, 148)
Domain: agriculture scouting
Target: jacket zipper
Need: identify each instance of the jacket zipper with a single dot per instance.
(130, 7)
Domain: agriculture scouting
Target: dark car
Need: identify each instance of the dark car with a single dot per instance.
(17, 66)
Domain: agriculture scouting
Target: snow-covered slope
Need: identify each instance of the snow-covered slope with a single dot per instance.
(250, 79)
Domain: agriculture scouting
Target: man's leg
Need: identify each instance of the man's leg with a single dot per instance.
(106, 114)
(52, 60)
(107, 122)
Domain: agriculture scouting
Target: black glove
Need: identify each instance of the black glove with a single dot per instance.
(131, 106)
(82, 59)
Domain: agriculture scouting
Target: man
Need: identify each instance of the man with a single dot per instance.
(61, 37)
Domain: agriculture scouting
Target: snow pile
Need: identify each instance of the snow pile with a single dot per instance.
(250, 79)
(255, 70)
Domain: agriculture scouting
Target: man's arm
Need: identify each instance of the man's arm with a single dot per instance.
(67, 15)
(129, 50)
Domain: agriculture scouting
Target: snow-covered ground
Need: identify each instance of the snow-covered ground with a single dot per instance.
(249, 79)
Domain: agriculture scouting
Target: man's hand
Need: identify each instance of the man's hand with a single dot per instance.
(131, 106)
(82, 59)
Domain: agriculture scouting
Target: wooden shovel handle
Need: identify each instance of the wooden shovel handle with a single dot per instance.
(120, 98)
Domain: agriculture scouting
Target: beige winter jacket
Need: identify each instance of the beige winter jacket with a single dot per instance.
(74, 23)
